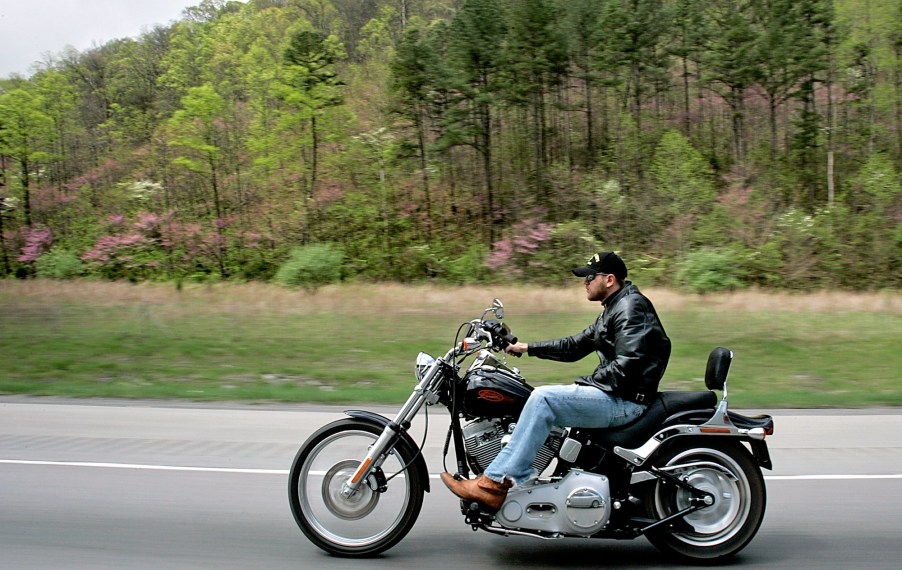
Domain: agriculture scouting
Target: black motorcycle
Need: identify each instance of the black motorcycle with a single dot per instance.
(686, 474)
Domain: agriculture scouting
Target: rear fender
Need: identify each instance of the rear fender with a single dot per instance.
(645, 453)
(759, 448)
(404, 439)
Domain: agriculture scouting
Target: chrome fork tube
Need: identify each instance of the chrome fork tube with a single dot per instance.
(377, 452)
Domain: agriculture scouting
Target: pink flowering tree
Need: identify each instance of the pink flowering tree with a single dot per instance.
(132, 251)
(517, 255)
(37, 242)
(540, 252)
(126, 256)
(151, 245)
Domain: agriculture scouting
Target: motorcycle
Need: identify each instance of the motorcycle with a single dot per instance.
(686, 474)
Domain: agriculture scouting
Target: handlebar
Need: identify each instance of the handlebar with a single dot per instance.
(501, 335)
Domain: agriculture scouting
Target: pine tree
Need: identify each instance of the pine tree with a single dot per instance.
(536, 63)
(476, 60)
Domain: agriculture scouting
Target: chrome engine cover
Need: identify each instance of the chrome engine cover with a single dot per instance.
(484, 439)
(577, 505)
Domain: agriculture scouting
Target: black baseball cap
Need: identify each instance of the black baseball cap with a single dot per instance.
(603, 262)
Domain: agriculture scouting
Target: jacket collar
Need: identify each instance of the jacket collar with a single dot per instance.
(625, 289)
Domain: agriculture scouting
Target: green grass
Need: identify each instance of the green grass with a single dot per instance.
(358, 344)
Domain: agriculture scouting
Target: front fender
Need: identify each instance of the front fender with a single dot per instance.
(419, 463)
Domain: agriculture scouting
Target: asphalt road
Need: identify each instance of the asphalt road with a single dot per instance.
(104, 485)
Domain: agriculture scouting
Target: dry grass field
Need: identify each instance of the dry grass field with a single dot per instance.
(406, 299)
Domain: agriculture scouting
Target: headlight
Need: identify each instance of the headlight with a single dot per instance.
(424, 361)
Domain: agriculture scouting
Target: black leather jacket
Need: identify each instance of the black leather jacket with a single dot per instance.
(630, 341)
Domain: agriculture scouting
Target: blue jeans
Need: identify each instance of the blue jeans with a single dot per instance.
(548, 406)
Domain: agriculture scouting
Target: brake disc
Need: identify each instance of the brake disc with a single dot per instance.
(355, 507)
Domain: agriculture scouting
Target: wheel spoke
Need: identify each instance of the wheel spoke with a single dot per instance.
(364, 522)
(365, 516)
(719, 475)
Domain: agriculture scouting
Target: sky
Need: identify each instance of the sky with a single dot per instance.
(31, 28)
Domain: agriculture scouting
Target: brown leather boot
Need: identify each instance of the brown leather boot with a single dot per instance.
(489, 493)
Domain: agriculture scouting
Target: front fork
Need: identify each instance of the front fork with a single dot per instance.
(425, 392)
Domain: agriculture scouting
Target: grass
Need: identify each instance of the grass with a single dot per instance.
(357, 343)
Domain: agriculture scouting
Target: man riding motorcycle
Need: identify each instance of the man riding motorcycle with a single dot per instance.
(633, 350)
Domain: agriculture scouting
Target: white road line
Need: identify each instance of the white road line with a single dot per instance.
(826, 477)
(145, 467)
(285, 471)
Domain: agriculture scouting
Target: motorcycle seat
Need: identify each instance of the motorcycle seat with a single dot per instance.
(665, 405)
(750, 422)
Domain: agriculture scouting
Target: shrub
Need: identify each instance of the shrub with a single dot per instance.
(127, 256)
(311, 266)
(515, 256)
(59, 264)
(469, 266)
(708, 270)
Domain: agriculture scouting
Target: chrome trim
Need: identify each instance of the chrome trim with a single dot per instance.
(569, 450)
(721, 417)
(719, 421)
(506, 532)
(708, 464)
(638, 455)
(641, 477)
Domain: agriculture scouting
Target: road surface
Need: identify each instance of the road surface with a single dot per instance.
(102, 484)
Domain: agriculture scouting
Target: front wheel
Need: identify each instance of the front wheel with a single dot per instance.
(368, 522)
(727, 471)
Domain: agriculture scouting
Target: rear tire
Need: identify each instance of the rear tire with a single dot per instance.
(729, 472)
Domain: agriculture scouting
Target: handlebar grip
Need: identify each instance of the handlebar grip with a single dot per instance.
(503, 335)
(511, 339)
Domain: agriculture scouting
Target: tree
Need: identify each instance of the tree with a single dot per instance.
(414, 79)
(476, 34)
(730, 63)
(895, 38)
(633, 55)
(310, 60)
(684, 182)
(688, 25)
(200, 131)
(536, 63)
(582, 34)
(25, 130)
(59, 102)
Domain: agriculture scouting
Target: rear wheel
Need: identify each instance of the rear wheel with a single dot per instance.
(367, 522)
(728, 472)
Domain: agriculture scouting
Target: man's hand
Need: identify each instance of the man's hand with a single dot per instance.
(517, 348)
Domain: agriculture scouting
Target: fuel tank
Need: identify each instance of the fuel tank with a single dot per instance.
(494, 392)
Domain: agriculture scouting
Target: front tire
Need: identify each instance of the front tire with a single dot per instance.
(368, 522)
(727, 471)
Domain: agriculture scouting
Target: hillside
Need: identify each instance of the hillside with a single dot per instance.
(716, 145)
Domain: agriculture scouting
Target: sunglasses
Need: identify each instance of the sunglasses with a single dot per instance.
(591, 277)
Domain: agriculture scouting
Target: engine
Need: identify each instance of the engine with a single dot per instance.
(483, 440)
(578, 504)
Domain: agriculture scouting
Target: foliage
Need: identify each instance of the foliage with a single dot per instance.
(59, 264)
(311, 267)
(37, 242)
(469, 141)
(125, 256)
(685, 185)
(709, 270)
(517, 256)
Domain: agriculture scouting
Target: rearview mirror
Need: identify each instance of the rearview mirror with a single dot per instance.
(498, 307)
